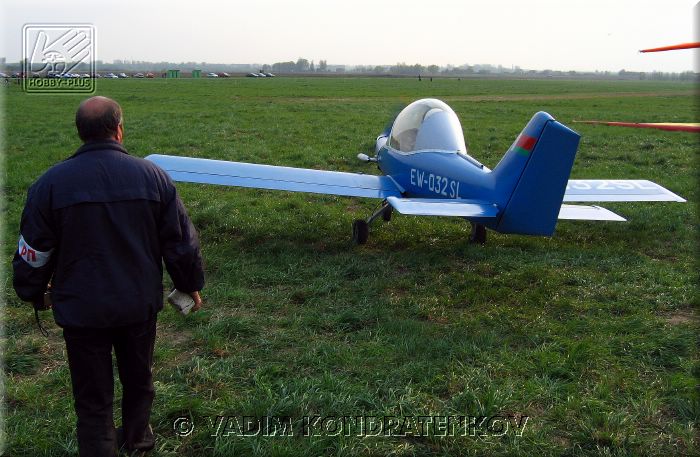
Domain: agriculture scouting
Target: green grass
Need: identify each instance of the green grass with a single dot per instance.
(592, 334)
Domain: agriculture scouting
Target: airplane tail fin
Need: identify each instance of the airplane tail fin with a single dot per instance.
(531, 178)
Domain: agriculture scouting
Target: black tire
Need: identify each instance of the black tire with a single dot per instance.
(360, 231)
(478, 235)
(386, 214)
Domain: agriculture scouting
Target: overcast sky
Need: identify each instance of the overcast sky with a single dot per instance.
(534, 34)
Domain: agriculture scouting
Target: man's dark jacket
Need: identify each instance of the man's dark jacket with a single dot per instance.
(99, 226)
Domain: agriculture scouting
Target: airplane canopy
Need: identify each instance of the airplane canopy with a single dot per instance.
(427, 125)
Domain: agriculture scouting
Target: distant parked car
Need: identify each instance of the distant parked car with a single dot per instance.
(139, 75)
(3, 75)
(212, 75)
(269, 75)
(150, 75)
(122, 75)
(223, 75)
(111, 76)
(252, 75)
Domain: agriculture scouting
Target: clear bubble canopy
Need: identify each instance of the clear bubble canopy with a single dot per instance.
(427, 125)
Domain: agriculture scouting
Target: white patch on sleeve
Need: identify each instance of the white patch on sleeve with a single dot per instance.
(32, 256)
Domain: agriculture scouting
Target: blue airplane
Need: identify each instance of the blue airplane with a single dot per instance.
(428, 172)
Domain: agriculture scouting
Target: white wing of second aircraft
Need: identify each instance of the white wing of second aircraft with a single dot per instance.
(617, 190)
(239, 174)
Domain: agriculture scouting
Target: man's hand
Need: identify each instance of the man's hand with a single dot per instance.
(197, 300)
(48, 303)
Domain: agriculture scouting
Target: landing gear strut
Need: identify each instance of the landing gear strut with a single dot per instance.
(360, 227)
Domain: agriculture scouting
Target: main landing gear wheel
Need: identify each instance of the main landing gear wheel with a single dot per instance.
(478, 235)
(360, 231)
(386, 214)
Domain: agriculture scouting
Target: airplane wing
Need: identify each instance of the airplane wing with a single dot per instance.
(205, 171)
(674, 47)
(692, 127)
(443, 207)
(617, 190)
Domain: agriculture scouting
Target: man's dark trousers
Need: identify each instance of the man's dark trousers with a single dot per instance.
(90, 361)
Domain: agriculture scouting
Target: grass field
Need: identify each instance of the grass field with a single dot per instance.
(586, 343)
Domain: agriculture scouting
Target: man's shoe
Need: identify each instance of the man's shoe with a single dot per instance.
(139, 448)
(148, 442)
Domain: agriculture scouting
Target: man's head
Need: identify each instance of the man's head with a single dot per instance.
(99, 118)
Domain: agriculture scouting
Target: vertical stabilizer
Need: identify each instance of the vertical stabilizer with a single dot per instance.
(531, 178)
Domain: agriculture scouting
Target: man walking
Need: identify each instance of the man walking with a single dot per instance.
(96, 229)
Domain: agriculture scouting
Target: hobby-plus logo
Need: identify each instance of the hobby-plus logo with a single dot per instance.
(58, 58)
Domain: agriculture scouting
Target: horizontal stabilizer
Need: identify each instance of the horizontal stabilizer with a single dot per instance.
(588, 213)
(617, 190)
(205, 171)
(443, 207)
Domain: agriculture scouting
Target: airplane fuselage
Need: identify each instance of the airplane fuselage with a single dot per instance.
(435, 174)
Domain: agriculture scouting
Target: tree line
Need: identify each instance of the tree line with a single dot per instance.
(303, 65)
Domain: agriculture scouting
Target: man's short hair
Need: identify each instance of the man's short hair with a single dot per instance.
(98, 118)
